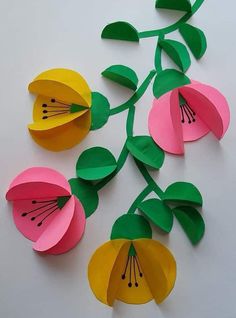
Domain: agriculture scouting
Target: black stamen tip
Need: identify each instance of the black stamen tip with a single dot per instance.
(194, 120)
(130, 284)
(33, 218)
(23, 214)
(136, 284)
(39, 224)
(123, 276)
(189, 121)
(44, 105)
(45, 111)
(140, 274)
(182, 121)
(45, 117)
(34, 201)
(53, 100)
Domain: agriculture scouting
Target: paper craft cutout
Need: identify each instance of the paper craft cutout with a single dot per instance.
(61, 111)
(158, 213)
(134, 271)
(145, 150)
(191, 221)
(120, 30)
(100, 110)
(45, 211)
(180, 5)
(95, 163)
(177, 52)
(122, 75)
(187, 114)
(195, 39)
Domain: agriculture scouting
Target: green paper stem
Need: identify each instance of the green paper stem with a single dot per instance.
(157, 60)
(146, 191)
(173, 27)
(136, 96)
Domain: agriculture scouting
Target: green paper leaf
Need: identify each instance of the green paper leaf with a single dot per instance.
(195, 39)
(183, 192)
(145, 150)
(131, 227)
(177, 52)
(158, 213)
(167, 80)
(100, 110)
(191, 221)
(122, 75)
(120, 30)
(86, 194)
(95, 163)
(180, 5)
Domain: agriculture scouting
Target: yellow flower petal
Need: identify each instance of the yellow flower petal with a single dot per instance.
(66, 135)
(158, 265)
(105, 269)
(62, 84)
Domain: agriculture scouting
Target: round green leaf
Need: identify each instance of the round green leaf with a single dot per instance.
(158, 213)
(100, 110)
(131, 227)
(95, 163)
(183, 192)
(86, 194)
(167, 80)
(180, 5)
(145, 150)
(195, 39)
(120, 30)
(191, 222)
(122, 75)
(177, 52)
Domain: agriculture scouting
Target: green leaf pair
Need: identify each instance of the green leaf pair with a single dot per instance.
(161, 215)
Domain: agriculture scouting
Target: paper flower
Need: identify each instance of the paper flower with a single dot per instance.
(61, 110)
(186, 114)
(134, 271)
(44, 210)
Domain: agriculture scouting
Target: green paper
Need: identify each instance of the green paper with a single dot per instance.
(183, 192)
(122, 75)
(191, 221)
(95, 163)
(74, 108)
(120, 30)
(195, 39)
(86, 194)
(167, 80)
(131, 227)
(145, 150)
(158, 213)
(177, 52)
(180, 5)
(61, 201)
(100, 110)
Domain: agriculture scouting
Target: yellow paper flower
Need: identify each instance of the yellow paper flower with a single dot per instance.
(132, 271)
(61, 110)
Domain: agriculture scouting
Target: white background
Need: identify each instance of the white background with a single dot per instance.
(37, 35)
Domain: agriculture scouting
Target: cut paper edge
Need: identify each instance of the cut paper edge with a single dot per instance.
(62, 84)
(38, 182)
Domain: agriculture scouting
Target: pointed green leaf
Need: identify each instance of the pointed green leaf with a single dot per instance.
(122, 75)
(177, 52)
(86, 194)
(95, 163)
(100, 110)
(191, 221)
(158, 213)
(120, 30)
(195, 39)
(180, 5)
(145, 150)
(183, 192)
(167, 80)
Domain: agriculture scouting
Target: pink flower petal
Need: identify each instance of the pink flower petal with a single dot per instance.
(36, 183)
(57, 228)
(210, 105)
(164, 123)
(195, 130)
(74, 232)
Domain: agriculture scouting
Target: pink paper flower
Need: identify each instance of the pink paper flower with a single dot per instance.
(187, 114)
(45, 211)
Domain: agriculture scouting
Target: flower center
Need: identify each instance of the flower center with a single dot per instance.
(43, 209)
(57, 108)
(132, 271)
(187, 113)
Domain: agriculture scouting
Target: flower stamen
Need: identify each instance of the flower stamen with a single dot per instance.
(133, 266)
